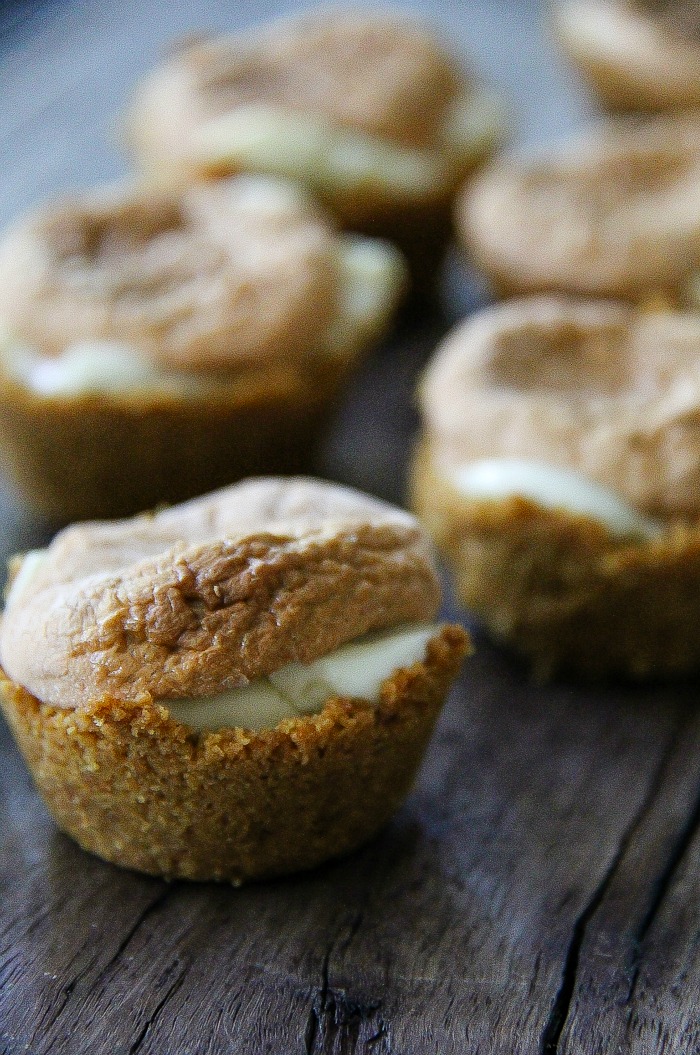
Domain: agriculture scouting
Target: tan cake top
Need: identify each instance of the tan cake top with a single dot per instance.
(598, 387)
(210, 278)
(616, 213)
(382, 74)
(368, 108)
(208, 595)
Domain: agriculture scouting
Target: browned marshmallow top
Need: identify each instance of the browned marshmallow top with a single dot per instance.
(208, 595)
(597, 387)
(210, 278)
(617, 213)
(381, 74)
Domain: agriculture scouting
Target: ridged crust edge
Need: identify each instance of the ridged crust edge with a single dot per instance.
(561, 590)
(137, 788)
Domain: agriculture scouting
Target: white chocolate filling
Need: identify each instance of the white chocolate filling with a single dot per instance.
(475, 125)
(256, 706)
(94, 368)
(356, 670)
(373, 274)
(311, 149)
(499, 479)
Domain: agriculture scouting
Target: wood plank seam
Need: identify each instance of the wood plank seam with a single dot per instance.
(660, 888)
(158, 1009)
(554, 1027)
(153, 906)
(335, 1018)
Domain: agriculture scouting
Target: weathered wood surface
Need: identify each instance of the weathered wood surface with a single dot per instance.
(538, 893)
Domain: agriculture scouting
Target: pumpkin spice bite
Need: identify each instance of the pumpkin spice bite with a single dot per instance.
(158, 343)
(238, 687)
(614, 212)
(559, 471)
(367, 109)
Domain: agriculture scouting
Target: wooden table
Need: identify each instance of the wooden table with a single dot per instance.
(538, 892)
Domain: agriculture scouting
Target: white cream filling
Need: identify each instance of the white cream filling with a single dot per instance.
(255, 706)
(259, 195)
(499, 479)
(372, 275)
(94, 368)
(356, 670)
(476, 123)
(311, 149)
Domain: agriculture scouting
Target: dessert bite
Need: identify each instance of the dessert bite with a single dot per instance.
(637, 54)
(614, 213)
(366, 109)
(157, 343)
(235, 688)
(559, 471)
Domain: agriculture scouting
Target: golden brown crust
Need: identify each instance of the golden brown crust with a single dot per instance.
(200, 279)
(211, 594)
(137, 788)
(563, 591)
(613, 214)
(75, 457)
(639, 56)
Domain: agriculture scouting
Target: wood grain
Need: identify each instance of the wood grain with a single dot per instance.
(538, 892)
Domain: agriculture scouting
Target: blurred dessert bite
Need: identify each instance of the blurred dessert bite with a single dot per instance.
(613, 213)
(559, 471)
(157, 343)
(367, 109)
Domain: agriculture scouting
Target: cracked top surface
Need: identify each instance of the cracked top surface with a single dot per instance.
(209, 278)
(383, 74)
(213, 593)
(615, 213)
(605, 389)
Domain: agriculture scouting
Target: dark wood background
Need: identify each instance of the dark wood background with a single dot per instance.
(538, 892)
